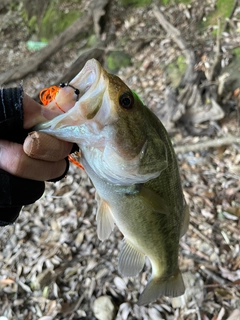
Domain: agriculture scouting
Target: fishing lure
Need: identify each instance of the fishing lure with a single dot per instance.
(76, 91)
(46, 96)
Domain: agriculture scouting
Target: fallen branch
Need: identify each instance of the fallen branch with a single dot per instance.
(215, 143)
(80, 26)
(96, 53)
(78, 64)
(236, 3)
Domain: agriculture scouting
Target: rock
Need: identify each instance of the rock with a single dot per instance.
(104, 308)
(235, 315)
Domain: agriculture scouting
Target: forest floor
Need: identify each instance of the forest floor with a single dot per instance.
(52, 264)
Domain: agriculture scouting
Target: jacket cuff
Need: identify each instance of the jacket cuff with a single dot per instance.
(9, 215)
(11, 114)
(14, 193)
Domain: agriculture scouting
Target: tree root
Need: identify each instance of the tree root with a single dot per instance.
(215, 143)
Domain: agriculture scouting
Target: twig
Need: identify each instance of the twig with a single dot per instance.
(176, 36)
(216, 68)
(215, 143)
(231, 15)
(212, 275)
(200, 234)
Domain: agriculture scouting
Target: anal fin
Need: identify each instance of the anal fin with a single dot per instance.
(105, 221)
(131, 261)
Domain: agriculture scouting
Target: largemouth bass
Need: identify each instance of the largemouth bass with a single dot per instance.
(129, 158)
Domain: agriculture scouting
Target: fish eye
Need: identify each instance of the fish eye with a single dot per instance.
(126, 100)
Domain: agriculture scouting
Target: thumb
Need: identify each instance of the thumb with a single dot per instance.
(39, 145)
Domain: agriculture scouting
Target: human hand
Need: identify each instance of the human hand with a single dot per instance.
(42, 157)
(26, 161)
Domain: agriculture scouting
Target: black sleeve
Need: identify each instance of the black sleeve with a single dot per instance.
(14, 191)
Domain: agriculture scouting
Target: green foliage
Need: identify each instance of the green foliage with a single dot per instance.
(32, 24)
(117, 60)
(236, 52)
(13, 5)
(48, 20)
(56, 21)
(135, 3)
(224, 7)
(176, 70)
(181, 64)
(92, 40)
(215, 32)
(223, 10)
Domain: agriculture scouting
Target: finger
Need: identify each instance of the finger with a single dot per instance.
(33, 112)
(14, 160)
(39, 145)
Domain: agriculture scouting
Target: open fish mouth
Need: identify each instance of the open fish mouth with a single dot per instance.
(91, 85)
(87, 79)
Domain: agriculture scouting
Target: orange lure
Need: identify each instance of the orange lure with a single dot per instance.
(47, 95)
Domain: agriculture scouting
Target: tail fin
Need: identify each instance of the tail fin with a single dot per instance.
(170, 287)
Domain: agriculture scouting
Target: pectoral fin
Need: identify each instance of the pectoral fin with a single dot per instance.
(153, 200)
(105, 221)
(131, 261)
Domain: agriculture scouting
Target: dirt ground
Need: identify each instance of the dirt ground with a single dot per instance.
(52, 265)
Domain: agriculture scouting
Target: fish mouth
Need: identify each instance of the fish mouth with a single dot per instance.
(92, 84)
(89, 83)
